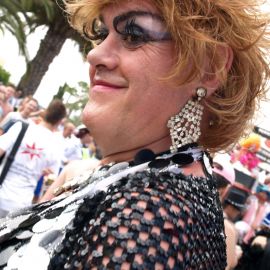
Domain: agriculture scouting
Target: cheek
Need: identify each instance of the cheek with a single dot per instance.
(150, 61)
(99, 113)
(87, 113)
(147, 86)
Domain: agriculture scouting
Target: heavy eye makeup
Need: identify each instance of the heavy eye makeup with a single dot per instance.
(99, 31)
(135, 29)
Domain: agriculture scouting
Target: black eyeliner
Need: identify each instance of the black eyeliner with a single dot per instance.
(101, 33)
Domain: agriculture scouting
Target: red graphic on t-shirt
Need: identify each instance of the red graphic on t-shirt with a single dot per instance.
(32, 151)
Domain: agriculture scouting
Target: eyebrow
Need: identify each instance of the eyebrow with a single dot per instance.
(127, 15)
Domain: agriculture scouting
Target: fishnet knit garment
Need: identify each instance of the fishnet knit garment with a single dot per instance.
(149, 220)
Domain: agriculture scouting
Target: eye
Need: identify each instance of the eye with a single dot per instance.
(137, 28)
(133, 35)
(98, 32)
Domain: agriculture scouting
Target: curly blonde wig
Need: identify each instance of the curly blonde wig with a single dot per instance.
(199, 28)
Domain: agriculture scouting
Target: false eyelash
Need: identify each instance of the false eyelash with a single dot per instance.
(129, 30)
(129, 26)
(85, 32)
(95, 35)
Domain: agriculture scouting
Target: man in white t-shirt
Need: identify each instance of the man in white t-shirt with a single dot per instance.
(70, 143)
(30, 106)
(37, 153)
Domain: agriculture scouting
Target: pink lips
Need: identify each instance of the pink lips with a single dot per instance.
(103, 86)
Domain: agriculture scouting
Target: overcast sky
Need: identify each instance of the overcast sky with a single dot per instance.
(68, 67)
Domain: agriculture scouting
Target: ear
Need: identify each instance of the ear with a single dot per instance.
(216, 68)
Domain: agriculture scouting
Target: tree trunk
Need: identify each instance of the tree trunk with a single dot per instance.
(50, 47)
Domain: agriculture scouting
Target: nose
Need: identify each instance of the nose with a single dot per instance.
(105, 54)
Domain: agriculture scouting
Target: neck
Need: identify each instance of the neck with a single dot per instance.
(24, 114)
(158, 146)
(48, 125)
(231, 213)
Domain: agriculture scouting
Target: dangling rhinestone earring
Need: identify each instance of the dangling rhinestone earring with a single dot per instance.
(185, 126)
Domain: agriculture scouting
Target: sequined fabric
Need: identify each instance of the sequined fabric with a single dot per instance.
(149, 220)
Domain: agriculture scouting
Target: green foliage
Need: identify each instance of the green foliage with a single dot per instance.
(22, 17)
(12, 19)
(40, 12)
(75, 99)
(4, 76)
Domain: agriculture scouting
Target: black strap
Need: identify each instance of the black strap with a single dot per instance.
(13, 152)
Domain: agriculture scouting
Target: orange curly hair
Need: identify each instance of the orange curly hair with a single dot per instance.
(198, 28)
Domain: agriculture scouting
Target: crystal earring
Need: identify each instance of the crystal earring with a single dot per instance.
(185, 126)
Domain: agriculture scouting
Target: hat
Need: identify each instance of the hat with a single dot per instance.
(223, 167)
(263, 188)
(266, 220)
(80, 131)
(237, 198)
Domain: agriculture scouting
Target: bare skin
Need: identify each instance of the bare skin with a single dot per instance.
(131, 98)
(71, 170)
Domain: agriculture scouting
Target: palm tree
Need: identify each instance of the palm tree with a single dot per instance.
(12, 22)
(47, 13)
(51, 14)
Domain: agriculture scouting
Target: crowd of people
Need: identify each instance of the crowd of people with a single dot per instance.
(50, 143)
(246, 210)
(158, 175)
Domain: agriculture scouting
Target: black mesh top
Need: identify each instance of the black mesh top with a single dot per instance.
(149, 220)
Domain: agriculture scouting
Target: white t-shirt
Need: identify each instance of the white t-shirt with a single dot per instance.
(71, 148)
(38, 150)
(11, 116)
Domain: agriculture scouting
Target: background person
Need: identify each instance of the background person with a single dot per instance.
(37, 155)
(259, 207)
(234, 204)
(247, 154)
(68, 141)
(30, 106)
(80, 145)
(6, 106)
(86, 148)
(2, 100)
(82, 160)
(68, 129)
(256, 253)
(11, 95)
(224, 174)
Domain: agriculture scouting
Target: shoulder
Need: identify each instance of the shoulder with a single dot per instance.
(187, 189)
(229, 227)
(79, 167)
(85, 164)
(12, 115)
(165, 214)
(198, 196)
(14, 126)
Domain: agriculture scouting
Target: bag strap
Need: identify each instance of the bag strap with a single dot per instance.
(13, 152)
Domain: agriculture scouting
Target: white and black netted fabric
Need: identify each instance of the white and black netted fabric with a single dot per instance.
(148, 220)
